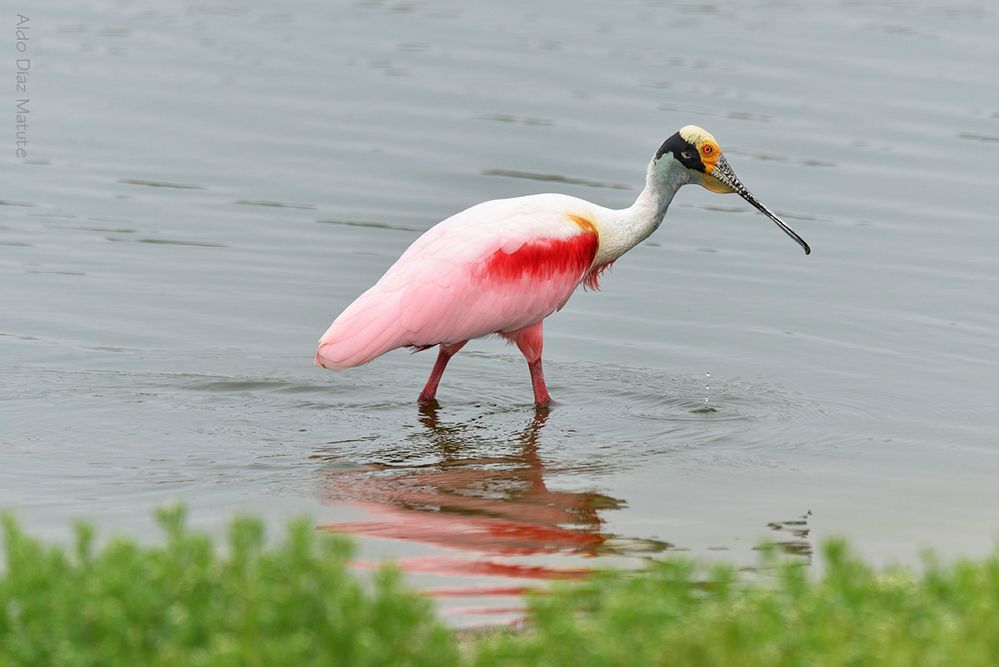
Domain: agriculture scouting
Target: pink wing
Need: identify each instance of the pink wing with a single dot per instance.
(499, 266)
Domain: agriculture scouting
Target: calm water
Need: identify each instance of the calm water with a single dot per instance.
(208, 185)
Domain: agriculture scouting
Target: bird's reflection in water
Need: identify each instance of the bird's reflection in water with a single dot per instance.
(482, 496)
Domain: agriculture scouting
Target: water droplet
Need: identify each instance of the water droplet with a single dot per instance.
(707, 396)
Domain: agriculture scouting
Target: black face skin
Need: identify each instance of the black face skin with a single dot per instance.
(683, 152)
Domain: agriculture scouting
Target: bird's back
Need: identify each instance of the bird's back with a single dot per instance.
(496, 267)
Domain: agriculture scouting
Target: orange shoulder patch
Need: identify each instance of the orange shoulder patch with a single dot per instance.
(584, 223)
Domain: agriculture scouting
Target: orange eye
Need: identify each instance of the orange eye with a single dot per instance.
(707, 149)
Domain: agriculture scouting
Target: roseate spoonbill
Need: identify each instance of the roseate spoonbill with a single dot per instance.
(503, 266)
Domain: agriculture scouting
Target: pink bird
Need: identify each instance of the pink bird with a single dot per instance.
(501, 267)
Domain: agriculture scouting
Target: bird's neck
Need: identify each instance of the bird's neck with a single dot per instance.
(628, 227)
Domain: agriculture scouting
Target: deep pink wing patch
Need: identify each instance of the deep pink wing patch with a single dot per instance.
(541, 259)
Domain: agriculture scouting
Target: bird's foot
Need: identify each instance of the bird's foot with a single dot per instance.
(543, 402)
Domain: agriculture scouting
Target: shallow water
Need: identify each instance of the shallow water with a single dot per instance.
(208, 185)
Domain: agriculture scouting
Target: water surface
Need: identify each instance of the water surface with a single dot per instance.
(209, 184)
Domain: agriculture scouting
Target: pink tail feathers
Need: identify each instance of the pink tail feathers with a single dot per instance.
(325, 356)
(367, 329)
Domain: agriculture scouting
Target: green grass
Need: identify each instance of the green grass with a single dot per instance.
(192, 601)
(680, 613)
(185, 604)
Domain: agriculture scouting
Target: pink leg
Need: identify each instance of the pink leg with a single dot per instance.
(430, 389)
(530, 341)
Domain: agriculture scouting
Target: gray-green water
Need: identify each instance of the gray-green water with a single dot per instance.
(208, 185)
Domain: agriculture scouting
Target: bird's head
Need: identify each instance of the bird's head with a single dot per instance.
(696, 151)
